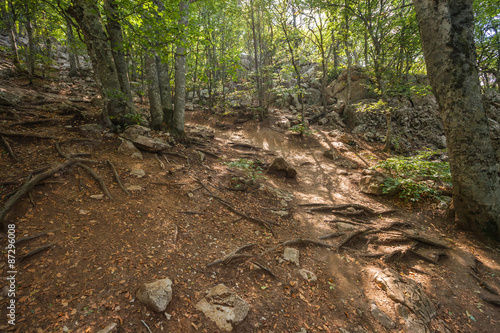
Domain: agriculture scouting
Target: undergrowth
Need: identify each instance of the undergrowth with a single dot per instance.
(416, 177)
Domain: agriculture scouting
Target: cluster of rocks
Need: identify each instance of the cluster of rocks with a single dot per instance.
(136, 138)
(221, 305)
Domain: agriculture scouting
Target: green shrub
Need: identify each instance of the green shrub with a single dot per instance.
(408, 175)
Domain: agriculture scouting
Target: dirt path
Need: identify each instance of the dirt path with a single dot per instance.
(170, 227)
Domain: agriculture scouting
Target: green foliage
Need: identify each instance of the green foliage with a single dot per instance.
(410, 177)
(254, 168)
(301, 129)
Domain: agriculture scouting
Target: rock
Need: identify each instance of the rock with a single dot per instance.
(127, 148)
(224, 307)
(280, 165)
(134, 188)
(156, 295)
(139, 173)
(189, 106)
(91, 129)
(292, 255)
(152, 145)
(372, 184)
(341, 226)
(331, 154)
(284, 123)
(113, 327)
(134, 130)
(381, 316)
(8, 99)
(137, 155)
(312, 96)
(406, 292)
(200, 131)
(97, 196)
(281, 213)
(308, 275)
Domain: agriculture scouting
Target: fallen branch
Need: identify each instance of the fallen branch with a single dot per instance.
(96, 176)
(176, 233)
(36, 251)
(25, 239)
(117, 177)
(233, 255)
(9, 149)
(26, 187)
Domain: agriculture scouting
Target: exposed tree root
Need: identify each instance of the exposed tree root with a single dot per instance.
(335, 208)
(28, 135)
(36, 251)
(26, 187)
(233, 255)
(28, 238)
(350, 236)
(266, 224)
(99, 179)
(298, 241)
(117, 177)
(334, 235)
(494, 300)
(484, 284)
(426, 240)
(159, 161)
(9, 149)
(264, 268)
(208, 153)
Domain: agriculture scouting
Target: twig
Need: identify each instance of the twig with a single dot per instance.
(35, 251)
(159, 162)
(117, 177)
(176, 233)
(26, 187)
(99, 179)
(484, 284)
(25, 239)
(264, 268)
(149, 330)
(9, 149)
(188, 212)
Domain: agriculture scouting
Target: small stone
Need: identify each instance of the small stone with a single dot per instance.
(291, 255)
(83, 212)
(308, 275)
(331, 154)
(281, 213)
(341, 226)
(134, 188)
(113, 327)
(148, 144)
(97, 196)
(156, 295)
(224, 307)
(372, 184)
(137, 155)
(190, 195)
(127, 148)
(139, 173)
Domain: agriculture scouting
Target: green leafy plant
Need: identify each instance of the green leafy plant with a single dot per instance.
(414, 178)
(254, 168)
(301, 129)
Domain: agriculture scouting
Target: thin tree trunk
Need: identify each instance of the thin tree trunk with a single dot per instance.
(73, 69)
(154, 92)
(30, 54)
(165, 92)
(180, 73)
(115, 33)
(446, 29)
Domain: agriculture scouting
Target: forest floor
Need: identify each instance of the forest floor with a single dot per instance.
(174, 224)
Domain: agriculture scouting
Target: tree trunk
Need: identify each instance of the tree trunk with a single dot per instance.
(115, 33)
(30, 54)
(73, 68)
(12, 35)
(154, 92)
(165, 92)
(446, 29)
(180, 73)
(86, 14)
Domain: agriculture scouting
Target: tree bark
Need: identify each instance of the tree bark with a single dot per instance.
(73, 68)
(446, 29)
(115, 33)
(180, 72)
(153, 92)
(86, 13)
(165, 92)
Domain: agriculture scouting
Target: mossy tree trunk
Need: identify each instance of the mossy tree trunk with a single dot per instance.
(446, 29)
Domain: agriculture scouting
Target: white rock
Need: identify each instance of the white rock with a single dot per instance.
(308, 275)
(139, 173)
(156, 295)
(291, 255)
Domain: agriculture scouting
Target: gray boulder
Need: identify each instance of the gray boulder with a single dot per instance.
(224, 307)
(8, 99)
(148, 144)
(156, 295)
(127, 148)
